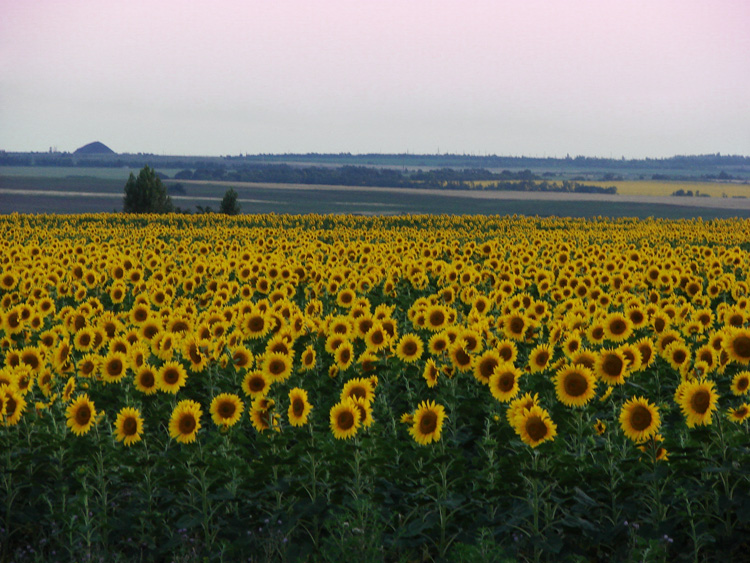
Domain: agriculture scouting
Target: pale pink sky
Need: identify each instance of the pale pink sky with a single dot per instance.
(525, 77)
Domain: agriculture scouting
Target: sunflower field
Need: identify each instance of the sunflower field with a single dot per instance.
(413, 388)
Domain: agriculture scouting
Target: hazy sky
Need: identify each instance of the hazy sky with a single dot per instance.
(511, 77)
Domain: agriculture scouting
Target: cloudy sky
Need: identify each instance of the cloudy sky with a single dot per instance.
(631, 78)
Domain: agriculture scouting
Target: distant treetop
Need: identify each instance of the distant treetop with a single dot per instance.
(95, 148)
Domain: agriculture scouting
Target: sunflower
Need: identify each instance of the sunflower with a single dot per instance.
(507, 350)
(698, 400)
(518, 405)
(365, 411)
(194, 350)
(344, 355)
(14, 404)
(409, 348)
(344, 419)
(226, 409)
(540, 357)
(242, 358)
(678, 355)
(81, 414)
(611, 367)
(255, 325)
(737, 345)
(739, 414)
(358, 387)
(262, 416)
(485, 365)
(460, 359)
(653, 445)
(535, 426)
(145, 380)
(515, 325)
(276, 367)
(646, 347)
(617, 327)
(431, 373)
(427, 424)
(308, 358)
(185, 421)
(575, 385)
(572, 344)
(299, 407)
(741, 383)
(639, 419)
(69, 389)
(436, 318)
(128, 426)
(504, 382)
(171, 377)
(600, 427)
(438, 343)
(255, 384)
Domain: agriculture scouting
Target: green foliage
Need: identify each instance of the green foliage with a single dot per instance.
(230, 205)
(146, 193)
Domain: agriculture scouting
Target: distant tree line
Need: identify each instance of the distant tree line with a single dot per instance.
(708, 165)
(442, 178)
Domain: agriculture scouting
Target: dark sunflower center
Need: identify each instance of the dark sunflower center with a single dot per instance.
(276, 367)
(345, 355)
(114, 367)
(187, 424)
(743, 383)
(140, 314)
(130, 426)
(256, 323)
(437, 318)
(298, 406)
(506, 382)
(618, 327)
(83, 415)
(171, 376)
(536, 428)
(227, 409)
(257, 384)
(487, 366)
(645, 354)
(679, 356)
(462, 357)
(428, 423)
(358, 392)
(575, 384)
(516, 325)
(149, 331)
(195, 355)
(345, 420)
(506, 353)
(147, 379)
(636, 317)
(659, 324)
(700, 401)
(439, 345)
(741, 346)
(612, 365)
(377, 338)
(640, 418)
(541, 358)
(410, 348)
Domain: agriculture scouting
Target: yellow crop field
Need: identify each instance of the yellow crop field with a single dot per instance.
(664, 188)
(415, 388)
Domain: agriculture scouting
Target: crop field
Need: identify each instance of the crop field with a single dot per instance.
(93, 194)
(665, 188)
(417, 388)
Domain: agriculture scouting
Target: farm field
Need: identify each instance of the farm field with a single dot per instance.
(276, 387)
(74, 194)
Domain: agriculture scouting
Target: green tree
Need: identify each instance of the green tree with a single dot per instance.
(146, 193)
(230, 205)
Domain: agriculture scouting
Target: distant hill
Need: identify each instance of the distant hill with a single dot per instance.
(95, 148)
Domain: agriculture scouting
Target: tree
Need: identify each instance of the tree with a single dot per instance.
(146, 193)
(229, 205)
